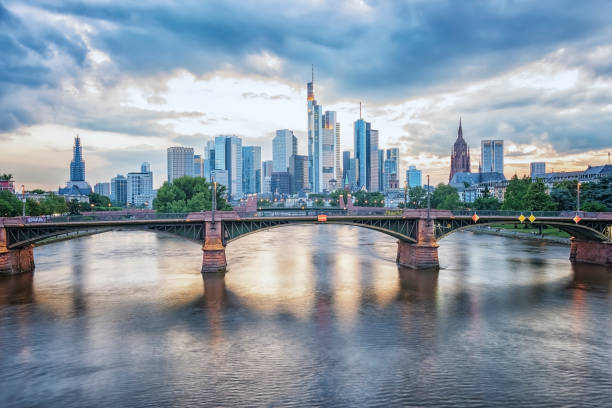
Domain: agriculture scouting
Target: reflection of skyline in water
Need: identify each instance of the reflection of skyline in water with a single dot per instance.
(306, 315)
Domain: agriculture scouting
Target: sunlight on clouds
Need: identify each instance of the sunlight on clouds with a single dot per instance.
(265, 62)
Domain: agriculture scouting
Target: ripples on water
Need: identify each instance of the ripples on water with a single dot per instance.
(305, 316)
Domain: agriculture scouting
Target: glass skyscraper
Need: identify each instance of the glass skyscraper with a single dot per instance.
(77, 165)
(284, 145)
(251, 169)
(492, 156)
(228, 157)
(413, 177)
(366, 155)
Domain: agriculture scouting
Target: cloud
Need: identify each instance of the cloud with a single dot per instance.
(263, 95)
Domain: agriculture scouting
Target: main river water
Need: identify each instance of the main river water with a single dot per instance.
(305, 316)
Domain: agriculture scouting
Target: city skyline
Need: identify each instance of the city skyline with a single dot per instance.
(546, 93)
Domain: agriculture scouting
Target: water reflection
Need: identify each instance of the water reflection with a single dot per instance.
(305, 316)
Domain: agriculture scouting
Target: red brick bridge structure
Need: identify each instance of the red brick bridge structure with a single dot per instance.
(417, 231)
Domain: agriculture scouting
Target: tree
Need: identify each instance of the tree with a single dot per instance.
(99, 200)
(537, 199)
(564, 193)
(10, 205)
(33, 207)
(417, 197)
(594, 206)
(486, 203)
(74, 207)
(37, 191)
(597, 192)
(445, 197)
(186, 194)
(515, 196)
(53, 204)
(6, 177)
(366, 199)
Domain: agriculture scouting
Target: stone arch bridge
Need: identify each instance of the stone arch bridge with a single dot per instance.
(417, 231)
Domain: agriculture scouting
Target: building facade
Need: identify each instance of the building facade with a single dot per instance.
(228, 157)
(102, 189)
(118, 186)
(140, 187)
(180, 162)
(284, 145)
(492, 156)
(251, 169)
(537, 169)
(460, 155)
(298, 173)
(390, 168)
(413, 177)
(366, 156)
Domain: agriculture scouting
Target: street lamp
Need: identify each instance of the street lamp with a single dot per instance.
(406, 194)
(578, 198)
(23, 200)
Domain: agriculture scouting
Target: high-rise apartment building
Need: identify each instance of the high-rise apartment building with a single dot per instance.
(284, 145)
(251, 169)
(460, 155)
(413, 177)
(537, 169)
(140, 187)
(492, 156)
(180, 162)
(228, 156)
(118, 186)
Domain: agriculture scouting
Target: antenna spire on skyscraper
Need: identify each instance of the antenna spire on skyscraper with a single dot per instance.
(360, 110)
(312, 66)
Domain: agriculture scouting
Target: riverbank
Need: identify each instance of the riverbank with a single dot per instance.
(70, 235)
(533, 236)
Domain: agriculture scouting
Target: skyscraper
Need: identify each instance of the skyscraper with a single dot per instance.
(180, 162)
(198, 166)
(102, 189)
(460, 155)
(323, 144)
(413, 177)
(366, 155)
(76, 186)
(139, 189)
(346, 166)
(391, 168)
(381, 163)
(251, 169)
(298, 173)
(492, 156)
(284, 145)
(77, 165)
(228, 157)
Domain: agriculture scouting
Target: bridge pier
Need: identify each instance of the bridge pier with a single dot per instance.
(213, 248)
(14, 261)
(424, 253)
(592, 252)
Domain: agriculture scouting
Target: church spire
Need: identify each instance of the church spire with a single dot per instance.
(460, 132)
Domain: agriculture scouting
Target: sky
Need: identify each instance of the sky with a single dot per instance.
(133, 78)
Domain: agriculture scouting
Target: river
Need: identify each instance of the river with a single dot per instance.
(305, 316)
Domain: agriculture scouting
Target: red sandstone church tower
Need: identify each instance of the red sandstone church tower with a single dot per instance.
(460, 156)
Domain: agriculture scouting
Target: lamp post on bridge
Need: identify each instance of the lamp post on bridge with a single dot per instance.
(23, 200)
(213, 201)
(406, 194)
(428, 200)
(578, 198)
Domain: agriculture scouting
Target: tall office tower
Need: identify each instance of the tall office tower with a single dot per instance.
(228, 156)
(281, 182)
(119, 190)
(77, 165)
(198, 166)
(391, 168)
(251, 169)
(328, 158)
(537, 169)
(180, 162)
(209, 158)
(353, 174)
(284, 145)
(413, 177)
(381, 163)
(140, 187)
(492, 156)
(102, 189)
(298, 173)
(374, 163)
(460, 155)
(323, 144)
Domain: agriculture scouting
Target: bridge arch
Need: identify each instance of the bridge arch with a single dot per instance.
(405, 230)
(582, 231)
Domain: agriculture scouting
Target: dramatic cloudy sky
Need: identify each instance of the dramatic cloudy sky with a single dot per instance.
(134, 77)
